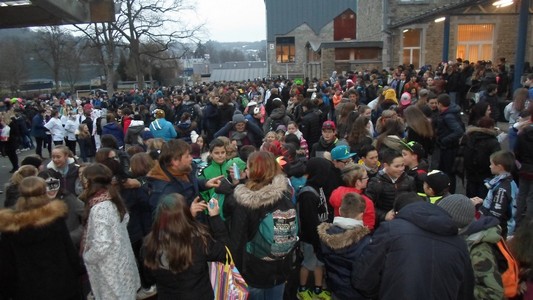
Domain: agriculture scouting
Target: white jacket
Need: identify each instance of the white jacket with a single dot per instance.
(70, 128)
(56, 129)
(108, 255)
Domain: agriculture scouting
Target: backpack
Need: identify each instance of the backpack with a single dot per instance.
(277, 234)
(274, 123)
(509, 270)
(190, 108)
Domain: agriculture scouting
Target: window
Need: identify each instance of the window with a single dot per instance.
(357, 54)
(412, 45)
(474, 41)
(285, 49)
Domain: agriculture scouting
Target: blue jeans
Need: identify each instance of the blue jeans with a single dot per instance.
(273, 293)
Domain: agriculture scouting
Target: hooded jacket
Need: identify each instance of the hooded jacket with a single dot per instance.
(482, 237)
(409, 258)
(369, 215)
(279, 116)
(68, 180)
(310, 126)
(37, 257)
(250, 208)
(161, 128)
(134, 132)
(114, 130)
(341, 244)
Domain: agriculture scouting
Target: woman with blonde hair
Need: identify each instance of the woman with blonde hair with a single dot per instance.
(12, 188)
(105, 244)
(177, 249)
(39, 260)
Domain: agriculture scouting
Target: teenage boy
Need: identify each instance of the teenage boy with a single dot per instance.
(501, 198)
(388, 183)
(341, 243)
(369, 160)
(416, 165)
(327, 141)
(436, 186)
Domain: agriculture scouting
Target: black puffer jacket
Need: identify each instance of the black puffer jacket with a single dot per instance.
(450, 128)
(409, 258)
(479, 144)
(310, 126)
(383, 191)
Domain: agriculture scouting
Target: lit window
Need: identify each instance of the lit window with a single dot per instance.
(349, 54)
(474, 41)
(412, 45)
(285, 49)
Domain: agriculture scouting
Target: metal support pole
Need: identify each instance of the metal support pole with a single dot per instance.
(446, 40)
(521, 43)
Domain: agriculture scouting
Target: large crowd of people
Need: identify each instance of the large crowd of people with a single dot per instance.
(341, 188)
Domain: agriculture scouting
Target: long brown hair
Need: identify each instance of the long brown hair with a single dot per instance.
(262, 168)
(172, 235)
(520, 96)
(358, 131)
(417, 121)
(97, 177)
(32, 193)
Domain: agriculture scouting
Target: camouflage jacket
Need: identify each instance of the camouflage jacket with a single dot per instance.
(488, 279)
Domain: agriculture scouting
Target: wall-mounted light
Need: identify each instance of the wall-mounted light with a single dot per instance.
(440, 19)
(405, 30)
(502, 3)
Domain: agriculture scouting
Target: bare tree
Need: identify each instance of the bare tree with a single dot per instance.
(72, 61)
(153, 22)
(13, 61)
(50, 48)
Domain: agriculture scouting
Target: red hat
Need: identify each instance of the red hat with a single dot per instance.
(328, 125)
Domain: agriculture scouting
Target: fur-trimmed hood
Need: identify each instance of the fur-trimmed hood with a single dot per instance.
(337, 238)
(266, 196)
(15, 221)
(488, 131)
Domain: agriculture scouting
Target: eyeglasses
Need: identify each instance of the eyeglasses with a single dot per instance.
(347, 161)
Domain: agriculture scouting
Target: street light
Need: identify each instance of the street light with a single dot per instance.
(502, 3)
(440, 19)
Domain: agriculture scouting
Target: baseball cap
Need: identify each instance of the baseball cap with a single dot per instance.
(415, 148)
(328, 125)
(438, 181)
(341, 152)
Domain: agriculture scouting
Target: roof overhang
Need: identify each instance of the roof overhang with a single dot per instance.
(28, 13)
(351, 44)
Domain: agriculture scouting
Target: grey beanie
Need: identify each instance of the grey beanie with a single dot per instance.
(460, 208)
(238, 118)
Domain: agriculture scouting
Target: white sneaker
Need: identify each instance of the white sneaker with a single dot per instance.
(146, 293)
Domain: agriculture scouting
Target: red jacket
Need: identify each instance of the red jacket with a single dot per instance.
(369, 215)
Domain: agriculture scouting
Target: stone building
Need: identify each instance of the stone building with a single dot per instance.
(313, 38)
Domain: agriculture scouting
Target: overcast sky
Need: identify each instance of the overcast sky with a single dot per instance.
(233, 20)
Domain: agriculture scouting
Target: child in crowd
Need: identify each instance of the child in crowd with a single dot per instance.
(292, 128)
(388, 183)
(436, 186)
(369, 160)
(327, 141)
(501, 198)
(215, 168)
(341, 243)
(415, 164)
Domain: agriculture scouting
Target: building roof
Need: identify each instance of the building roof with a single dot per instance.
(238, 71)
(441, 11)
(284, 16)
(351, 44)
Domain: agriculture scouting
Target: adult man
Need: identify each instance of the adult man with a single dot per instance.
(160, 104)
(450, 129)
(410, 256)
(175, 173)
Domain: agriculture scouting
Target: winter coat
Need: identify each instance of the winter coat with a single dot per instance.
(134, 132)
(162, 128)
(450, 128)
(310, 126)
(136, 201)
(341, 244)
(479, 143)
(126, 123)
(383, 191)
(108, 255)
(369, 215)
(523, 152)
(37, 126)
(279, 117)
(426, 142)
(68, 181)
(322, 146)
(500, 203)
(70, 129)
(409, 258)
(37, 257)
(55, 127)
(482, 237)
(192, 283)
(250, 208)
(252, 134)
(114, 130)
